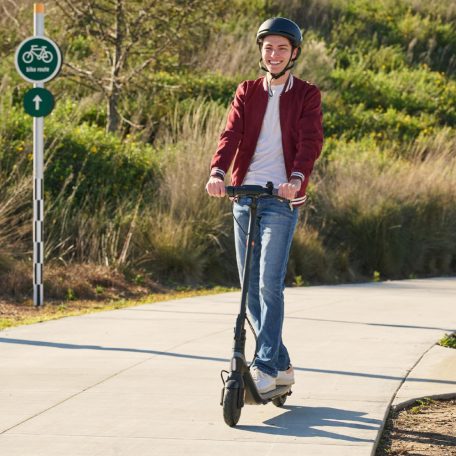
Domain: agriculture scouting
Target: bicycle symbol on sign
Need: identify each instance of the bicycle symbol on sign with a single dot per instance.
(39, 52)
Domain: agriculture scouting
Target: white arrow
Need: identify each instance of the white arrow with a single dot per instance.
(37, 101)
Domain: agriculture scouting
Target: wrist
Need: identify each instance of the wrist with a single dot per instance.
(218, 173)
(295, 182)
(216, 178)
(297, 175)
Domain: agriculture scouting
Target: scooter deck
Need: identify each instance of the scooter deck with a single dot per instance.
(269, 396)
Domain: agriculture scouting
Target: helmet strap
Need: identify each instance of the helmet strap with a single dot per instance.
(268, 83)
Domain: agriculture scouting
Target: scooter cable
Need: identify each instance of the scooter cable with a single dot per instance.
(256, 339)
(237, 221)
(246, 317)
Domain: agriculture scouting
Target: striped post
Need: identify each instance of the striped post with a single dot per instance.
(38, 181)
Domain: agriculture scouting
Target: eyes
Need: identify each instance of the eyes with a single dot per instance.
(279, 50)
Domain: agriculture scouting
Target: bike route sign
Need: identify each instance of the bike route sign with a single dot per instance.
(38, 59)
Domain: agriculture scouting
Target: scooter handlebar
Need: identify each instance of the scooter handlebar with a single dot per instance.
(252, 190)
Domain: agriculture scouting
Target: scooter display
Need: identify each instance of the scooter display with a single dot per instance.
(239, 387)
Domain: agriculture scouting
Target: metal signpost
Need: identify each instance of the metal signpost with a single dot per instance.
(38, 60)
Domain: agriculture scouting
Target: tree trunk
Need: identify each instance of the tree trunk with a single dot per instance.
(113, 120)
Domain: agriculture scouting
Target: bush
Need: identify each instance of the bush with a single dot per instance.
(87, 161)
(395, 219)
(413, 91)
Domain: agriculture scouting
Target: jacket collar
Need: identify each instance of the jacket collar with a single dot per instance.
(288, 84)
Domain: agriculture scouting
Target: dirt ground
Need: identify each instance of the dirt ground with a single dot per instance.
(426, 428)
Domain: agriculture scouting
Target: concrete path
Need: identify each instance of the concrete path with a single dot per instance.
(146, 380)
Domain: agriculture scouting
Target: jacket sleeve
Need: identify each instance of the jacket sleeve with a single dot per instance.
(310, 135)
(231, 136)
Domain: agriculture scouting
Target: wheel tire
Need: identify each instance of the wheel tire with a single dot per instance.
(47, 57)
(231, 410)
(27, 57)
(280, 401)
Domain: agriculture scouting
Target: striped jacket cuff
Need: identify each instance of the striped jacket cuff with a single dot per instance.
(299, 201)
(297, 174)
(217, 172)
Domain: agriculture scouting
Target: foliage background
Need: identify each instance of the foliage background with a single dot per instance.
(382, 198)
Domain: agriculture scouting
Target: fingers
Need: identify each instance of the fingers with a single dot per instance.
(215, 187)
(288, 190)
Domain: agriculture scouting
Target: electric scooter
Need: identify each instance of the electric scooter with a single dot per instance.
(239, 387)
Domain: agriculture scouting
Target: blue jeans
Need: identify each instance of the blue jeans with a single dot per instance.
(275, 226)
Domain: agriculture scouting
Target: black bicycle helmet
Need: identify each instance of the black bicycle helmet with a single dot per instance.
(283, 27)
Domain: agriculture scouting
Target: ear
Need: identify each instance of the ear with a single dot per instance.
(296, 52)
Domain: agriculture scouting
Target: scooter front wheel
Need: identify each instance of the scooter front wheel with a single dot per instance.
(231, 409)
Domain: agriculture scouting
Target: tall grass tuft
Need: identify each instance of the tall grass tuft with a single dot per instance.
(397, 220)
(15, 213)
(184, 232)
(233, 54)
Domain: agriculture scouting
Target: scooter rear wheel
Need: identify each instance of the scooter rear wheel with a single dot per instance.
(231, 409)
(280, 401)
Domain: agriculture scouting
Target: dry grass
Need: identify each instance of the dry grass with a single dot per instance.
(233, 54)
(371, 211)
(72, 281)
(15, 213)
(367, 181)
(388, 214)
(315, 62)
(185, 231)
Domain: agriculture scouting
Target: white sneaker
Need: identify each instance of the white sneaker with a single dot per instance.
(263, 381)
(285, 378)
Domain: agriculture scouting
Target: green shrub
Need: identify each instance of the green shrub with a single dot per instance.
(98, 164)
(413, 91)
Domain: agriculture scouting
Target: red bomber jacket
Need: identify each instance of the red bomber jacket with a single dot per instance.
(300, 122)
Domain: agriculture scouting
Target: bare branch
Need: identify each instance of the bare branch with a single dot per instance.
(10, 16)
(88, 75)
(78, 80)
(72, 12)
(129, 122)
(101, 26)
(138, 69)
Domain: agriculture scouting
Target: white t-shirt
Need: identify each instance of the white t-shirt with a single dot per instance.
(267, 162)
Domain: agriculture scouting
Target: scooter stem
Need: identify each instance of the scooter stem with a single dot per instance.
(239, 332)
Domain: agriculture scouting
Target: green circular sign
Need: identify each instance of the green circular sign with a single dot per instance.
(38, 59)
(38, 102)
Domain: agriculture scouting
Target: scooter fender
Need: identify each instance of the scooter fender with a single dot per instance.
(236, 383)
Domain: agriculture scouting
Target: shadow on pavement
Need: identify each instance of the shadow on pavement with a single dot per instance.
(298, 421)
(287, 317)
(39, 343)
(386, 325)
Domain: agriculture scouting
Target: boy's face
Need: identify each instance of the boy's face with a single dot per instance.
(276, 52)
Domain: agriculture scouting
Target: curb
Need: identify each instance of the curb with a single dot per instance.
(433, 376)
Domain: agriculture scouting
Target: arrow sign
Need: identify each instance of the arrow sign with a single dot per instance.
(38, 102)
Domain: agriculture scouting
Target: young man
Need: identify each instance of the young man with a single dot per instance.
(273, 133)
